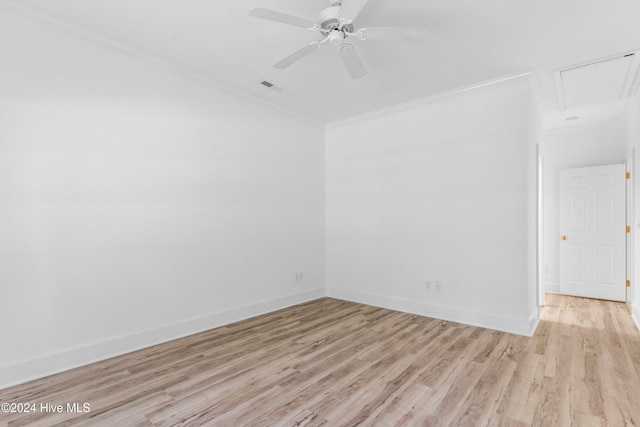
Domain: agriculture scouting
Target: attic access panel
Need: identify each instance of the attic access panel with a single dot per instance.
(606, 80)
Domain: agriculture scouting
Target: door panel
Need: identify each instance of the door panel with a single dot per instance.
(577, 264)
(605, 262)
(577, 216)
(592, 219)
(604, 213)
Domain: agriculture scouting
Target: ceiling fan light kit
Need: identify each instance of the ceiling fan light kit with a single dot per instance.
(335, 24)
(336, 37)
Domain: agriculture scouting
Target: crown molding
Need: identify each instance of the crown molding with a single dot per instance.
(39, 18)
(435, 98)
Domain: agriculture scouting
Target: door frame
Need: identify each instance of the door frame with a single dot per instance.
(630, 221)
(540, 237)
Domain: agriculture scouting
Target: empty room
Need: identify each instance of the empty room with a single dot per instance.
(319, 213)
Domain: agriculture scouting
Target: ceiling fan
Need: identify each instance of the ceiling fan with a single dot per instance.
(335, 24)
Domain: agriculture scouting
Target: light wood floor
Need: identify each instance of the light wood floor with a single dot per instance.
(335, 363)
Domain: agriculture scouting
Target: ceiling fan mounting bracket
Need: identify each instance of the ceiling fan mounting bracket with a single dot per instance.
(344, 47)
(361, 34)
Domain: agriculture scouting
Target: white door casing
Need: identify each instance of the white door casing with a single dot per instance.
(593, 232)
(630, 247)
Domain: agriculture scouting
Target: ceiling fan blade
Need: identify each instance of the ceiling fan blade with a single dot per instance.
(297, 55)
(272, 15)
(352, 62)
(388, 33)
(350, 9)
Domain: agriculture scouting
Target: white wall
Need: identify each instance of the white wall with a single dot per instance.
(137, 205)
(438, 190)
(633, 146)
(572, 147)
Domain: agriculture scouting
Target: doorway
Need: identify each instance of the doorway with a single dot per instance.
(572, 147)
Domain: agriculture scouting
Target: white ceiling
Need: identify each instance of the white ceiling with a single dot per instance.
(468, 42)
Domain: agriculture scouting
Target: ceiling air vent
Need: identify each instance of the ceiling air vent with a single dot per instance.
(600, 81)
(270, 86)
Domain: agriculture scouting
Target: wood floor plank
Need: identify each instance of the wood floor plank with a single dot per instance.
(482, 402)
(329, 362)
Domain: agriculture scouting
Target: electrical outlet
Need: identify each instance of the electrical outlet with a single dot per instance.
(299, 277)
(428, 285)
(438, 286)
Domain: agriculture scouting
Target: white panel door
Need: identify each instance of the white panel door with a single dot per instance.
(593, 232)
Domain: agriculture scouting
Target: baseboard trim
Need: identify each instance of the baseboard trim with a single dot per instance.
(534, 321)
(43, 366)
(517, 326)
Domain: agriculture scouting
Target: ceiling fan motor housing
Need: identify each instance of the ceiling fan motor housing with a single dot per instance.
(328, 19)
